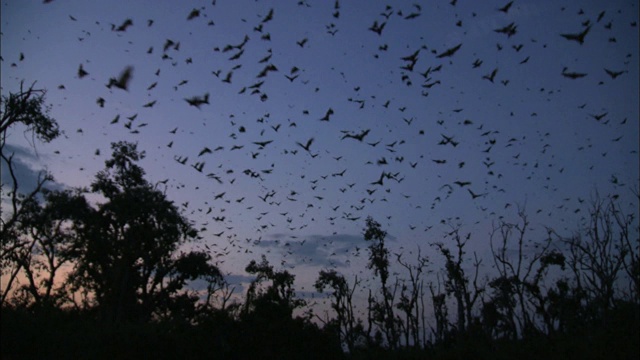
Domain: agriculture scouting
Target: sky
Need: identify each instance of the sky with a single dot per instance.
(425, 115)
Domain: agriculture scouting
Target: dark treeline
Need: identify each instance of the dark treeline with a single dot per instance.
(111, 280)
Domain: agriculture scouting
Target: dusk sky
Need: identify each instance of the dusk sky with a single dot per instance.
(317, 114)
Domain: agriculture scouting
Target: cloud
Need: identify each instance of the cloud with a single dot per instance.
(335, 250)
(307, 294)
(238, 280)
(25, 164)
(235, 280)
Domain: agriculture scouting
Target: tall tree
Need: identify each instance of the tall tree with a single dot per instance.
(520, 272)
(25, 108)
(457, 281)
(128, 252)
(605, 255)
(379, 262)
(348, 325)
(412, 300)
(278, 298)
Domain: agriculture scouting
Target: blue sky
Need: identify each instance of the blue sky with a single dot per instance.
(529, 135)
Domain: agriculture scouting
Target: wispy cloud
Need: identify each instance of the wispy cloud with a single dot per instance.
(235, 280)
(316, 250)
(25, 166)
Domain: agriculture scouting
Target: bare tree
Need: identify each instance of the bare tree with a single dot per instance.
(379, 261)
(440, 312)
(409, 298)
(219, 293)
(516, 273)
(457, 282)
(603, 253)
(350, 328)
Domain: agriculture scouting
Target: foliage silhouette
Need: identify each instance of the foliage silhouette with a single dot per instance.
(569, 297)
(457, 283)
(268, 324)
(50, 230)
(381, 311)
(349, 328)
(25, 108)
(127, 254)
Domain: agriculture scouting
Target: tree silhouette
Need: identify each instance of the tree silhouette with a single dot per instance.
(50, 229)
(457, 282)
(382, 311)
(128, 261)
(348, 325)
(518, 275)
(412, 300)
(268, 327)
(25, 108)
(603, 258)
(127, 252)
(278, 298)
(564, 309)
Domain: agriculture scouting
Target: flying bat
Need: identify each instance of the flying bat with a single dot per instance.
(579, 37)
(572, 75)
(307, 145)
(262, 144)
(81, 72)
(449, 52)
(614, 74)
(506, 7)
(122, 82)
(198, 100)
(123, 27)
